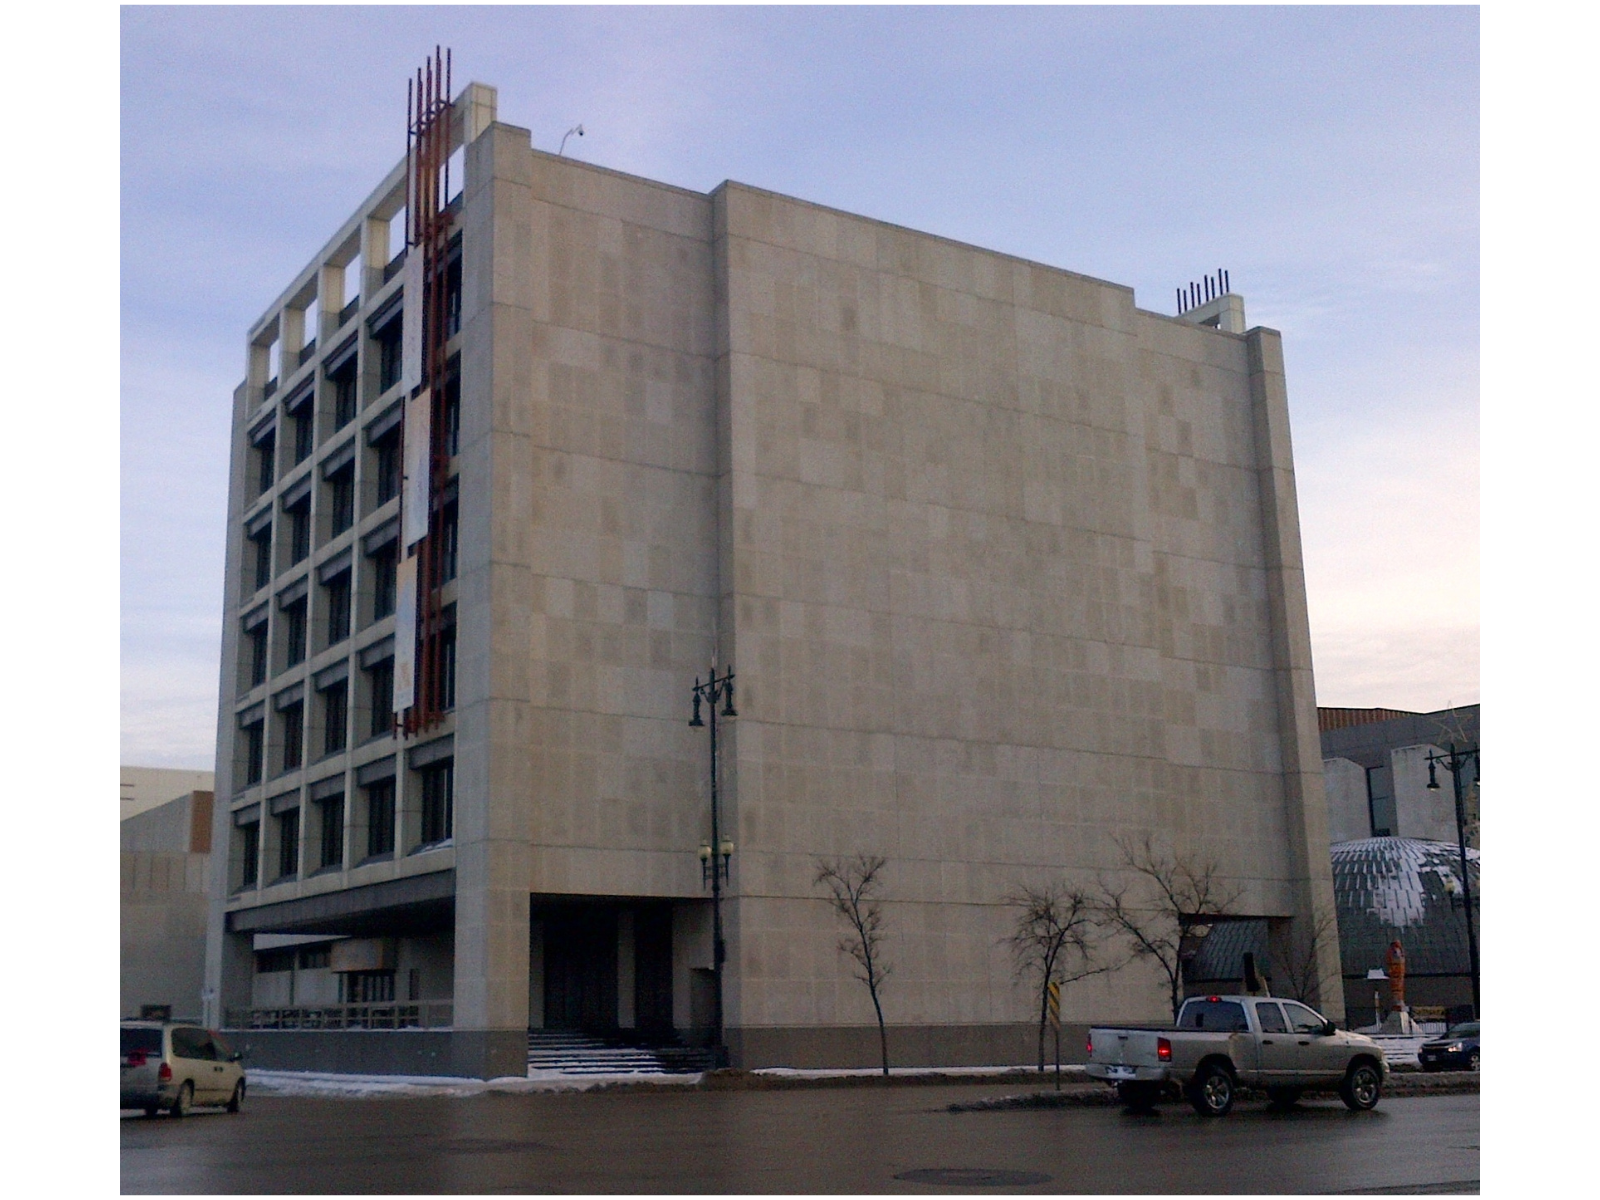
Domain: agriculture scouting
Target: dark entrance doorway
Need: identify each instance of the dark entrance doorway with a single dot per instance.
(652, 970)
(580, 968)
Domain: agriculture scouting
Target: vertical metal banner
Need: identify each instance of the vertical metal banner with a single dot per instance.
(411, 325)
(405, 634)
(418, 468)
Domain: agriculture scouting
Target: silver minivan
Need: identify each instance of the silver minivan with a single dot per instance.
(173, 1066)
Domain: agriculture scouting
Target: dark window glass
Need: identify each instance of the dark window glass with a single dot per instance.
(294, 638)
(342, 501)
(438, 802)
(388, 468)
(293, 736)
(258, 654)
(299, 532)
(304, 432)
(332, 817)
(381, 689)
(1223, 1015)
(269, 962)
(190, 1043)
(289, 843)
(384, 567)
(367, 987)
(1302, 1019)
(452, 297)
(380, 817)
(335, 716)
(249, 853)
(389, 355)
(338, 608)
(344, 396)
(141, 1041)
(452, 415)
(254, 751)
(263, 549)
(266, 462)
(1271, 1019)
(315, 958)
(449, 539)
(446, 666)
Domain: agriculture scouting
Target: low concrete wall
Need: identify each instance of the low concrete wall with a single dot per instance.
(474, 1053)
(909, 1046)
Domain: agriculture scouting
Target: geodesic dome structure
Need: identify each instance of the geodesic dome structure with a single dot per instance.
(1402, 888)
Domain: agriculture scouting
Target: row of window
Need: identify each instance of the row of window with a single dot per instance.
(325, 848)
(332, 714)
(336, 603)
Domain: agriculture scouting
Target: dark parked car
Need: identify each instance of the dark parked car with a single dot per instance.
(1457, 1050)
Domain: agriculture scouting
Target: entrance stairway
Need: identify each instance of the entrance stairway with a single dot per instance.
(569, 1052)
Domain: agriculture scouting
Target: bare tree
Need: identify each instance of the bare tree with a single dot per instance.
(855, 890)
(1053, 941)
(1299, 972)
(1178, 890)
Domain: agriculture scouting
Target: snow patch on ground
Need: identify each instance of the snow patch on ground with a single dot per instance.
(328, 1084)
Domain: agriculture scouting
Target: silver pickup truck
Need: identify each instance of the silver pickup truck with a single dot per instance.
(1223, 1043)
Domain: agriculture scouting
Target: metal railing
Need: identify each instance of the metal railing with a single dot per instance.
(388, 1014)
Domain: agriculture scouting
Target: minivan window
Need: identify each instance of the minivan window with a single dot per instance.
(191, 1043)
(145, 1041)
(1223, 1016)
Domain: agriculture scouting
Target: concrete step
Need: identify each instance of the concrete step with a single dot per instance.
(571, 1053)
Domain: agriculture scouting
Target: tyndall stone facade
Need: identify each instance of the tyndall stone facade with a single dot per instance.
(1007, 568)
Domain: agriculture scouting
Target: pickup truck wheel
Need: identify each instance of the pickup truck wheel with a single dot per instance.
(1361, 1087)
(1283, 1097)
(1212, 1091)
(1140, 1097)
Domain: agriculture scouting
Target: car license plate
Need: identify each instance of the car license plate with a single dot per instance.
(1120, 1072)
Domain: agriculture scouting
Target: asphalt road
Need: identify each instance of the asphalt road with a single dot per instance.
(822, 1140)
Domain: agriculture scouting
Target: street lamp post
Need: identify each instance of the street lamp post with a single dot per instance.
(715, 854)
(1456, 762)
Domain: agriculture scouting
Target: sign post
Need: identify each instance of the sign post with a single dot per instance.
(1055, 1023)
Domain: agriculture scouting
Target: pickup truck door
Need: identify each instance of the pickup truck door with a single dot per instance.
(1322, 1057)
(1280, 1064)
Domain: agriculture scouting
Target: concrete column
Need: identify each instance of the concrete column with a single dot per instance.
(1304, 799)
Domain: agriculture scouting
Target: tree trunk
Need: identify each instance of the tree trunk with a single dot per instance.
(883, 1035)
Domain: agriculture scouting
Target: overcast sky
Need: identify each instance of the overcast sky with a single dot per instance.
(1328, 157)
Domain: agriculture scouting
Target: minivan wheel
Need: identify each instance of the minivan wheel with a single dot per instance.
(1212, 1091)
(1472, 1061)
(237, 1100)
(1361, 1087)
(183, 1101)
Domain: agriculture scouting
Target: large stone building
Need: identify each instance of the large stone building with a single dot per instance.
(165, 860)
(1007, 567)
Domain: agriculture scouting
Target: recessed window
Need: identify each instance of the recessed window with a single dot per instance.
(294, 633)
(330, 816)
(335, 716)
(366, 987)
(266, 452)
(261, 547)
(449, 539)
(438, 802)
(445, 663)
(452, 296)
(452, 414)
(338, 590)
(294, 724)
(344, 394)
(380, 689)
(388, 339)
(256, 650)
(341, 501)
(248, 843)
(304, 431)
(388, 449)
(315, 958)
(288, 843)
(255, 748)
(300, 531)
(380, 817)
(385, 565)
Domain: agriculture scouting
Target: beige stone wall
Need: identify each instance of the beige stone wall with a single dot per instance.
(996, 584)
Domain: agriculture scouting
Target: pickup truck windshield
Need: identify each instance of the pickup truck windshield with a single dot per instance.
(1217, 1016)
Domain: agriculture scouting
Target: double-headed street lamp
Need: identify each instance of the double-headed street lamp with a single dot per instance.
(1456, 762)
(715, 854)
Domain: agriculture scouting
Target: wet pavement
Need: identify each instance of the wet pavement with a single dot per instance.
(900, 1139)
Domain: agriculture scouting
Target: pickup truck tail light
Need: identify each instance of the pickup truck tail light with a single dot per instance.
(164, 1075)
(1164, 1049)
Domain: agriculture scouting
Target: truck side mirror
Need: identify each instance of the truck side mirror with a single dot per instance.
(1329, 1029)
